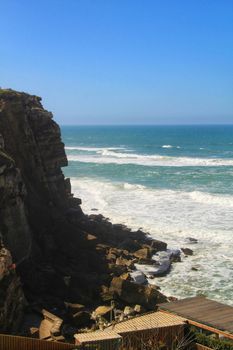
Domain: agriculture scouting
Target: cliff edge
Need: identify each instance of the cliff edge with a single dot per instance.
(59, 254)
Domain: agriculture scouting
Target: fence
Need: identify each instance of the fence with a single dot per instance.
(10, 342)
(138, 340)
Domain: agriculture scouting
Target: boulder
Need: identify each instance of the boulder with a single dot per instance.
(82, 319)
(130, 245)
(158, 245)
(125, 262)
(106, 294)
(73, 307)
(132, 293)
(174, 255)
(191, 240)
(147, 262)
(103, 311)
(193, 268)
(162, 269)
(117, 270)
(139, 309)
(187, 251)
(143, 253)
(126, 276)
(129, 311)
(138, 277)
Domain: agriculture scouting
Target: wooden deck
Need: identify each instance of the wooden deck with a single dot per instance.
(204, 312)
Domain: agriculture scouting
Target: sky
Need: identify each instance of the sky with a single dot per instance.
(121, 61)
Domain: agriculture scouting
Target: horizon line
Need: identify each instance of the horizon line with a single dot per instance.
(140, 124)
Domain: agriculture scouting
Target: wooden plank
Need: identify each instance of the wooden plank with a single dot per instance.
(203, 311)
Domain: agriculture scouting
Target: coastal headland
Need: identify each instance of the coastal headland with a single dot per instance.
(53, 256)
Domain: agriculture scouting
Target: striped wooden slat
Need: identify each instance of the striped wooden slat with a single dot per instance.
(10, 342)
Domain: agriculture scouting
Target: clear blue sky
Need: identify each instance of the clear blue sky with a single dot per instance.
(121, 61)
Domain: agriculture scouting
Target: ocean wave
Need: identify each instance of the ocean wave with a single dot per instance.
(133, 187)
(167, 146)
(107, 156)
(207, 198)
(170, 146)
(173, 216)
(171, 210)
(92, 149)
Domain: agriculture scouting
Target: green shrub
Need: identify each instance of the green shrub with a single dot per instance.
(214, 343)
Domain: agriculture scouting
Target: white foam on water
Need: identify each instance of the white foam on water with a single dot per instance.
(167, 146)
(170, 146)
(109, 156)
(92, 149)
(173, 216)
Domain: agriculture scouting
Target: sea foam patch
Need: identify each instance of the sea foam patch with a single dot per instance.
(173, 216)
(113, 156)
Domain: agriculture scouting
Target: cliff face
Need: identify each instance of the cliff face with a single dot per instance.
(12, 300)
(60, 254)
(33, 192)
(32, 183)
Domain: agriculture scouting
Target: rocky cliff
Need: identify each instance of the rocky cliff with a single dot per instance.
(59, 253)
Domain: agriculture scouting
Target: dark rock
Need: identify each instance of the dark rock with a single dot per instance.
(171, 298)
(147, 262)
(191, 240)
(194, 268)
(74, 307)
(106, 294)
(158, 245)
(82, 319)
(130, 245)
(133, 293)
(187, 251)
(138, 277)
(12, 299)
(163, 269)
(117, 270)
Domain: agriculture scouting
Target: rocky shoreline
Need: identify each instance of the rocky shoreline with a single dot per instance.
(65, 261)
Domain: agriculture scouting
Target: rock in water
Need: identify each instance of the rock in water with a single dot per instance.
(187, 251)
(138, 277)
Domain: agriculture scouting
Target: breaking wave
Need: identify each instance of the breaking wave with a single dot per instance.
(173, 216)
(113, 156)
(170, 146)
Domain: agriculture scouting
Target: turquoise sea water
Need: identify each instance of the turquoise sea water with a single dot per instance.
(174, 182)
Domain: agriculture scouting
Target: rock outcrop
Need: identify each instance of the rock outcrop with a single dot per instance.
(12, 300)
(59, 253)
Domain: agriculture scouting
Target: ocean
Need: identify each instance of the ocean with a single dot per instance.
(174, 182)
